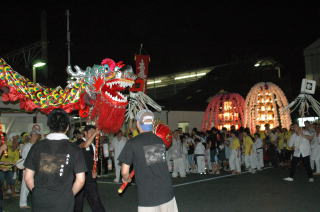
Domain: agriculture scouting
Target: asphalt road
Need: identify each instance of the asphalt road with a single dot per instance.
(263, 191)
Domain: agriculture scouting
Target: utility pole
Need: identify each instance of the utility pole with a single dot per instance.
(44, 45)
(68, 37)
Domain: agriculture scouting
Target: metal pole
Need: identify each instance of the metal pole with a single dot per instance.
(68, 38)
(34, 74)
(279, 73)
(44, 44)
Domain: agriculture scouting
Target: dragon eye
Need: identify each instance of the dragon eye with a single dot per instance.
(118, 74)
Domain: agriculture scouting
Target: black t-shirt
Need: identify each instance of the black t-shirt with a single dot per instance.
(88, 156)
(55, 163)
(147, 154)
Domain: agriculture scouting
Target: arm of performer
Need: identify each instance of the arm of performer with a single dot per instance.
(125, 169)
(78, 183)
(3, 148)
(90, 140)
(29, 178)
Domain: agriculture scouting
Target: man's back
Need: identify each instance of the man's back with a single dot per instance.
(55, 163)
(147, 154)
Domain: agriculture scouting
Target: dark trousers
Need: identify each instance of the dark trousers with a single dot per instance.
(306, 164)
(90, 191)
(1, 199)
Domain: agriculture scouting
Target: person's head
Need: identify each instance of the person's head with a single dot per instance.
(35, 136)
(307, 124)
(14, 137)
(119, 134)
(58, 121)
(257, 128)
(145, 120)
(89, 131)
(295, 128)
(267, 126)
(214, 130)
(197, 140)
(232, 127)
(234, 133)
(176, 133)
(77, 134)
(247, 131)
(25, 138)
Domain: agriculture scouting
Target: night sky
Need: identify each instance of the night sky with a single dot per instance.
(177, 38)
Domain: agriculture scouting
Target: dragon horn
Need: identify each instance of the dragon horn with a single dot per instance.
(78, 73)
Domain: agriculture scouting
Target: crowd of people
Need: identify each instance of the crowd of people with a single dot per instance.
(235, 150)
(211, 152)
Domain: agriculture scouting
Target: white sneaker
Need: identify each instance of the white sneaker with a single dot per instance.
(311, 180)
(290, 179)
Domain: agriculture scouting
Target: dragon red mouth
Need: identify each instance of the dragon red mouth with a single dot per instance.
(113, 90)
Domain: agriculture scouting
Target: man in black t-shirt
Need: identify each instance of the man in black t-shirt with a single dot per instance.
(55, 168)
(90, 189)
(146, 152)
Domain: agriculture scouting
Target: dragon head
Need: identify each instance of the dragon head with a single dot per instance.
(106, 92)
(110, 79)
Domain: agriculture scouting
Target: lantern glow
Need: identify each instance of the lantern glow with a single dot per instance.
(264, 105)
(224, 110)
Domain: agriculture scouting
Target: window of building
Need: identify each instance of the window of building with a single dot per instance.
(184, 126)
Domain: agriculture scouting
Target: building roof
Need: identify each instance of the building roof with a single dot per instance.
(233, 78)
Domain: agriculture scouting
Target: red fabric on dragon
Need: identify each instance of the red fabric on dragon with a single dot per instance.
(108, 117)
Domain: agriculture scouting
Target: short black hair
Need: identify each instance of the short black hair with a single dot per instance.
(89, 127)
(76, 131)
(58, 120)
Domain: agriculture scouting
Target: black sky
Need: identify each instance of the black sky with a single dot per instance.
(176, 38)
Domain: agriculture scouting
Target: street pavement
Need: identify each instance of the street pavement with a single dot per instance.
(263, 191)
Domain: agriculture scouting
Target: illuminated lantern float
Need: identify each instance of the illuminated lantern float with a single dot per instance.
(264, 105)
(224, 110)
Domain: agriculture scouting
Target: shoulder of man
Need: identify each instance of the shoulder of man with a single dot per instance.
(39, 143)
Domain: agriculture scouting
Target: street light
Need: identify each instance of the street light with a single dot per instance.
(34, 66)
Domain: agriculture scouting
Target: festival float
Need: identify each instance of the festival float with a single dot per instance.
(304, 101)
(224, 110)
(265, 104)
